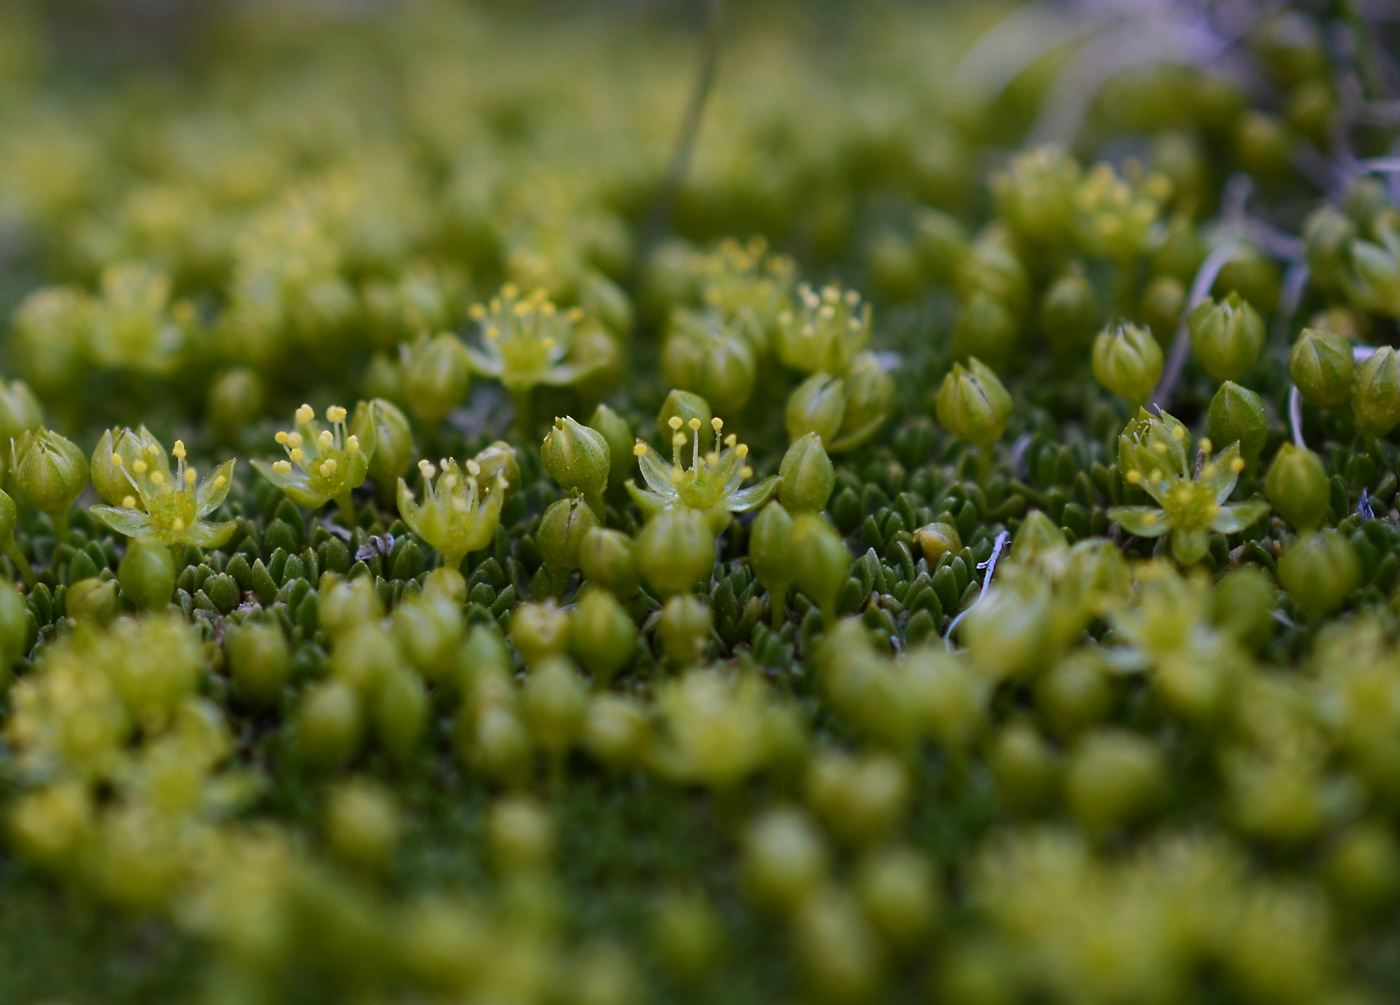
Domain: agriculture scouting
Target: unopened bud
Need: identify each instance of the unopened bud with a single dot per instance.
(821, 562)
(259, 660)
(784, 859)
(816, 407)
(1068, 313)
(683, 405)
(973, 405)
(539, 631)
(362, 825)
(393, 437)
(147, 574)
(1128, 362)
(436, 374)
(617, 432)
(1237, 416)
(49, 470)
(1319, 571)
(1375, 393)
(555, 703)
(684, 629)
(330, 725)
(578, 458)
(1297, 487)
(985, 329)
(675, 550)
(806, 476)
(236, 400)
(870, 395)
(91, 601)
(938, 539)
(561, 532)
(1226, 336)
(602, 635)
(606, 559)
(19, 410)
(1114, 777)
(1322, 366)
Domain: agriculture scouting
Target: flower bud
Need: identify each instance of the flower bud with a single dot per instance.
(870, 394)
(555, 704)
(90, 601)
(400, 710)
(859, 799)
(362, 657)
(602, 635)
(1242, 605)
(1114, 777)
(1161, 304)
(393, 438)
(1319, 571)
(784, 859)
(578, 457)
(539, 631)
(824, 330)
(898, 891)
(606, 558)
(702, 354)
(1237, 416)
(14, 630)
(770, 554)
(561, 532)
(1005, 632)
(520, 834)
(1322, 366)
(259, 660)
(49, 470)
(938, 539)
(19, 410)
(1068, 313)
(687, 934)
(1037, 537)
(344, 605)
(1375, 393)
(973, 405)
(1226, 336)
(816, 407)
(147, 574)
(236, 400)
(681, 405)
(836, 947)
(820, 562)
(684, 629)
(985, 329)
(362, 825)
(1298, 488)
(1328, 234)
(1128, 362)
(675, 550)
(330, 725)
(617, 432)
(806, 476)
(436, 374)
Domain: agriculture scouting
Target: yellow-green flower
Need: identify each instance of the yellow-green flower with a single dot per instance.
(162, 505)
(461, 508)
(323, 464)
(712, 482)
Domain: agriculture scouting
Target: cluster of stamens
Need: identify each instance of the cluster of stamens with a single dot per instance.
(525, 316)
(1187, 494)
(185, 478)
(821, 309)
(335, 438)
(679, 439)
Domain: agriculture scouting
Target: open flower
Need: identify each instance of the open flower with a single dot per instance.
(1188, 509)
(527, 341)
(323, 464)
(710, 484)
(166, 506)
(461, 508)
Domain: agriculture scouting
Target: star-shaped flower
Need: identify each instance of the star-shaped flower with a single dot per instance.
(526, 341)
(461, 508)
(710, 484)
(166, 506)
(323, 464)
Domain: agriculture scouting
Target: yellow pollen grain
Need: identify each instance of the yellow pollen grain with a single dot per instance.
(640, 450)
(678, 440)
(220, 481)
(1178, 433)
(717, 424)
(177, 525)
(327, 467)
(282, 467)
(298, 454)
(352, 445)
(281, 436)
(178, 452)
(128, 502)
(694, 423)
(325, 440)
(1149, 519)
(295, 439)
(191, 476)
(746, 472)
(1159, 448)
(1155, 477)
(157, 477)
(335, 414)
(742, 450)
(117, 460)
(473, 468)
(139, 467)
(1205, 444)
(674, 422)
(1237, 465)
(1134, 477)
(731, 440)
(305, 414)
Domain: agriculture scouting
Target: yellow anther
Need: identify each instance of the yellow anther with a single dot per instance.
(510, 291)
(730, 440)
(711, 459)
(128, 502)
(1134, 477)
(476, 312)
(1159, 448)
(139, 467)
(117, 460)
(352, 445)
(1208, 471)
(640, 450)
(1237, 465)
(295, 439)
(694, 423)
(325, 440)
(177, 525)
(305, 414)
(716, 424)
(548, 309)
(675, 422)
(426, 467)
(220, 481)
(298, 454)
(678, 440)
(746, 472)
(327, 467)
(742, 450)
(335, 414)
(1178, 433)
(1205, 444)
(281, 437)
(473, 468)
(449, 482)
(178, 451)
(153, 449)
(282, 467)
(493, 333)
(521, 309)
(1149, 518)
(576, 314)
(547, 343)
(1155, 477)
(157, 477)
(190, 477)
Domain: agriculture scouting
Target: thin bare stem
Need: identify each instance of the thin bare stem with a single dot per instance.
(998, 546)
(1295, 416)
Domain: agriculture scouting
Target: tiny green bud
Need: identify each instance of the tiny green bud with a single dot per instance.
(1319, 571)
(1237, 416)
(973, 405)
(1328, 234)
(578, 458)
(602, 635)
(784, 859)
(400, 711)
(618, 731)
(1037, 536)
(393, 451)
(436, 374)
(1375, 393)
(362, 825)
(561, 533)
(1226, 336)
(19, 410)
(816, 407)
(684, 629)
(1297, 487)
(1024, 767)
(1074, 694)
(1068, 313)
(362, 656)
(675, 550)
(49, 470)
(941, 240)
(520, 834)
(870, 395)
(986, 329)
(770, 555)
(555, 703)
(705, 354)
(1242, 605)
(938, 539)
(91, 601)
(836, 946)
(687, 934)
(539, 631)
(806, 476)
(330, 725)
(429, 628)
(898, 891)
(618, 433)
(259, 660)
(1363, 868)
(1322, 366)
(860, 799)
(1114, 778)
(344, 605)
(147, 574)
(236, 400)
(683, 405)
(607, 559)
(820, 561)
(1128, 362)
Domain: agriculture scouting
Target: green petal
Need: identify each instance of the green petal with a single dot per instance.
(650, 502)
(409, 508)
(656, 474)
(1235, 518)
(210, 535)
(1141, 521)
(295, 483)
(1222, 482)
(485, 365)
(129, 522)
(1190, 546)
(752, 497)
(211, 495)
